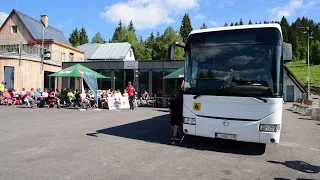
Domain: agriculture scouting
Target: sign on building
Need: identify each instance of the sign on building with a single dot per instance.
(130, 64)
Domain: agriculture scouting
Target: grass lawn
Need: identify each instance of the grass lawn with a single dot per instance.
(300, 70)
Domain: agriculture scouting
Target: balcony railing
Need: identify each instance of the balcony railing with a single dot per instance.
(12, 49)
(23, 50)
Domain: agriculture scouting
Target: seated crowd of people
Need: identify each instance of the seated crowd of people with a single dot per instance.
(68, 98)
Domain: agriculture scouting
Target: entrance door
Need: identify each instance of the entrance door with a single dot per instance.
(290, 94)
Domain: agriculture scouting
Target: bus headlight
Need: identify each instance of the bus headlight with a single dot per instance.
(269, 127)
(187, 120)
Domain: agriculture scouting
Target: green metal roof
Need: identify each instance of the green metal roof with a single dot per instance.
(108, 51)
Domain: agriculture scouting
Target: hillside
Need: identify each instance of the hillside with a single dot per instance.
(300, 70)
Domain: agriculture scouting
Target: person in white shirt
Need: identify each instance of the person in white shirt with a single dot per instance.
(45, 94)
(125, 93)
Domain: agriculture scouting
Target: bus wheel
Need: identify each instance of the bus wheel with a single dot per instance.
(261, 148)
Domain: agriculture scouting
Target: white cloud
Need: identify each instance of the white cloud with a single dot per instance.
(60, 26)
(290, 8)
(3, 17)
(312, 3)
(146, 13)
(213, 23)
(199, 17)
(225, 3)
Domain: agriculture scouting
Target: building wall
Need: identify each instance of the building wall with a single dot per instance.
(28, 74)
(288, 82)
(22, 35)
(129, 56)
(61, 53)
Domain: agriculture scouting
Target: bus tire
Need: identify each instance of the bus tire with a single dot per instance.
(261, 148)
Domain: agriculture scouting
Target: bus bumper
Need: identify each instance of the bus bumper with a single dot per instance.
(246, 131)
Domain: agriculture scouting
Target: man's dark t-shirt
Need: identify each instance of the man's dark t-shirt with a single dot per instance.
(77, 96)
(176, 111)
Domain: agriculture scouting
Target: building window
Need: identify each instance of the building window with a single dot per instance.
(71, 57)
(171, 85)
(9, 76)
(157, 89)
(105, 84)
(130, 53)
(63, 57)
(119, 79)
(143, 81)
(48, 81)
(14, 29)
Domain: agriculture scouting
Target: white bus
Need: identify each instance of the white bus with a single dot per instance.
(233, 84)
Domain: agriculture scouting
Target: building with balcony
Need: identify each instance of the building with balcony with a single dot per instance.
(24, 62)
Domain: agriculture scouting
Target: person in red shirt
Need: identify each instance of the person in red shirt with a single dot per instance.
(131, 90)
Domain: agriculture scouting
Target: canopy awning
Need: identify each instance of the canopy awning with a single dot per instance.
(179, 73)
(76, 71)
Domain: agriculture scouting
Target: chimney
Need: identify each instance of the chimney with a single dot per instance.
(44, 20)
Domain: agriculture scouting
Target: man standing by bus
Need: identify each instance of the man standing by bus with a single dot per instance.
(131, 95)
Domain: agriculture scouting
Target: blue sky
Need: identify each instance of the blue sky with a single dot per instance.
(155, 15)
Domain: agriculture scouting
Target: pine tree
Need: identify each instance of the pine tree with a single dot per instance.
(185, 27)
(236, 24)
(98, 39)
(131, 27)
(315, 53)
(74, 38)
(150, 42)
(204, 26)
(260, 22)
(241, 22)
(118, 33)
(83, 37)
(285, 29)
(225, 24)
(231, 24)
(250, 22)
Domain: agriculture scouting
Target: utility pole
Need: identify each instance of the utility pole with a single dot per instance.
(309, 34)
(44, 20)
(42, 49)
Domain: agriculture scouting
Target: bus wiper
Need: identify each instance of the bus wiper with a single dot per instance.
(255, 97)
(260, 99)
(196, 96)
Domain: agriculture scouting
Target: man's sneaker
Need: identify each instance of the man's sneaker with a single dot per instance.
(175, 140)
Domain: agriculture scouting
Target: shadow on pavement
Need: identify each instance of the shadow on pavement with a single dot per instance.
(158, 130)
(291, 179)
(305, 118)
(299, 166)
(161, 110)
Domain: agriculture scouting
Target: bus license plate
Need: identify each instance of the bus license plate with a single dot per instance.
(226, 136)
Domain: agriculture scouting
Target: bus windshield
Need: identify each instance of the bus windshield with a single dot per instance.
(243, 62)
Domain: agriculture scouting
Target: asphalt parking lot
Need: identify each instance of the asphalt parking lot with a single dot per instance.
(70, 144)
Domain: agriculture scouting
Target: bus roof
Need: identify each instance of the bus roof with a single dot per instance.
(275, 25)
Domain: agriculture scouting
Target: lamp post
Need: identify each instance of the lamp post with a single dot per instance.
(44, 20)
(309, 33)
(42, 48)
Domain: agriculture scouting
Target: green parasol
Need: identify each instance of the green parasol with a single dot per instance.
(76, 71)
(179, 73)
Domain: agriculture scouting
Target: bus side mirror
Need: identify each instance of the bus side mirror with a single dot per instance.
(287, 52)
(171, 49)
